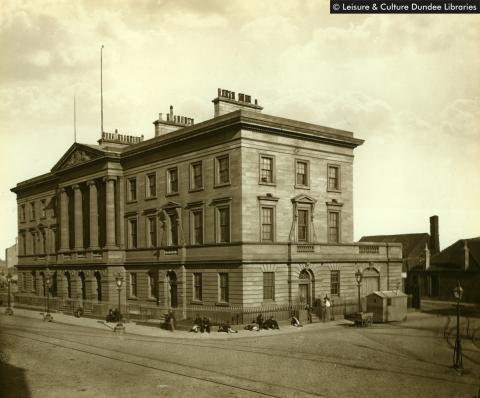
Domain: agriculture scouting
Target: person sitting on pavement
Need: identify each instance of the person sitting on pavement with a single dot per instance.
(252, 326)
(260, 321)
(225, 327)
(205, 325)
(110, 316)
(295, 322)
(170, 321)
(271, 323)
(197, 325)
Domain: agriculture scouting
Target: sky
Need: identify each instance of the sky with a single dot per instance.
(407, 84)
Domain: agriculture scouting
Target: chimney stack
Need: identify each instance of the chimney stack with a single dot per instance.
(172, 123)
(466, 252)
(434, 244)
(427, 257)
(227, 102)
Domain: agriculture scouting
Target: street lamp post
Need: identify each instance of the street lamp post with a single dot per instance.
(119, 327)
(48, 281)
(457, 352)
(9, 310)
(358, 277)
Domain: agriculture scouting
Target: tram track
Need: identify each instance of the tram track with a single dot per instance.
(168, 366)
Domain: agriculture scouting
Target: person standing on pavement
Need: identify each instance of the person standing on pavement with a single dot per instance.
(327, 304)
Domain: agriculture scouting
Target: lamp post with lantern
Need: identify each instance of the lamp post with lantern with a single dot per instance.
(48, 281)
(119, 327)
(457, 351)
(9, 310)
(358, 278)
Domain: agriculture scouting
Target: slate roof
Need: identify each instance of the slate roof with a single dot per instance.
(413, 250)
(452, 258)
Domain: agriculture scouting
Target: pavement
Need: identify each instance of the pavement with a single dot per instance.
(155, 331)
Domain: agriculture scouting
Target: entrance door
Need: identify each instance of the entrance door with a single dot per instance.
(304, 294)
(172, 281)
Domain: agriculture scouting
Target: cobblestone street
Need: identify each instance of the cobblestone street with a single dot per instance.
(329, 360)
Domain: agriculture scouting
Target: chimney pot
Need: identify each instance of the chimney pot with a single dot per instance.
(434, 244)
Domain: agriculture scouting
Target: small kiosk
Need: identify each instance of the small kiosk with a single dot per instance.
(387, 305)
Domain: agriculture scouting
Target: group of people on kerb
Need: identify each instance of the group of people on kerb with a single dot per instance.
(259, 323)
(204, 325)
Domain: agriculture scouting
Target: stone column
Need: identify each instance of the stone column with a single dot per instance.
(110, 242)
(64, 233)
(78, 211)
(93, 202)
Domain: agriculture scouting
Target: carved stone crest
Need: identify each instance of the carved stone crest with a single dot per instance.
(78, 157)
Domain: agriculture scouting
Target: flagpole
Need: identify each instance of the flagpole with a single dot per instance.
(74, 120)
(101, 89)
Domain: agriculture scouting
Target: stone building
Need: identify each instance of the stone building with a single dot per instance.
(242, 210)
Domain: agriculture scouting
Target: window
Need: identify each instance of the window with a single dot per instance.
(34, 281)
(172, 180)
(267, 224)
(303, 225)
(223, 224)
(197, 286)
(24, 281)
(22, 213)
(43, 212)
(335, 282)
(333, 227)
(223, 291)
(269, 286)
(197, 226)
(173, 221)
(24, 243)
(266, 170)
(132, 188)
(333, 178)
(133, 284)
(32, 211)
(301, 170)
(152, 285)
(44, 242)
(196, 176)
(34, 243)
(152, 231)
(222, 170)
(151, 185)
(132, 233)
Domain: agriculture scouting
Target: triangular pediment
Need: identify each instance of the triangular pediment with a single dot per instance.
(76, 155)
(302, 198)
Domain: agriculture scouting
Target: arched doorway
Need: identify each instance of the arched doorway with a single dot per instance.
(370, 281)
(68, 284)
(83, 288)
(98, 282)
(172, 283)
(305, 291)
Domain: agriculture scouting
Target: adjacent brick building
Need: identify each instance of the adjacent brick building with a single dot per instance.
(242, 210)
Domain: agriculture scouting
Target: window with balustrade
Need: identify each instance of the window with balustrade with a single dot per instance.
(223, 224)
(303, 225)
(152, 231)
(196, 224)
(132, 233)
(333, 226)
(267, 223)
